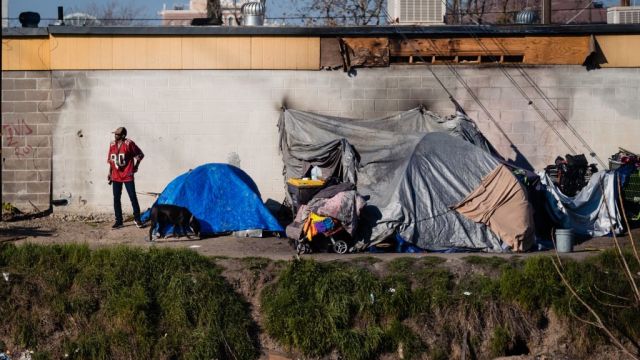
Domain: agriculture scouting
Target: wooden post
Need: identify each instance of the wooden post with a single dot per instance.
(546, 12)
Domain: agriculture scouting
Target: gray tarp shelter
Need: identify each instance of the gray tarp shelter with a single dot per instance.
(419, 172)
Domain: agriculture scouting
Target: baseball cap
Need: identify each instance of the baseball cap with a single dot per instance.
(120, 131)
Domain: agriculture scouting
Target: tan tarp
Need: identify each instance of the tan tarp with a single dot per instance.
(501, 203)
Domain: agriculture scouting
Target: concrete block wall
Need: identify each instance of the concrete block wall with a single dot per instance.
(185, 118)
(29, 112)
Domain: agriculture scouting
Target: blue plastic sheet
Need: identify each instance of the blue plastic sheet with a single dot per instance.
(222, 197)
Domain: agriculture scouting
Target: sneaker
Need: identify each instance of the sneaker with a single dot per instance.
(139, 224)
(117, 225)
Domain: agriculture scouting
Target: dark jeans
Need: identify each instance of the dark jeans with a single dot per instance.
(117, 193)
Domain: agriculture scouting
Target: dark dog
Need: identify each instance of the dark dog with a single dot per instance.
(181, 219)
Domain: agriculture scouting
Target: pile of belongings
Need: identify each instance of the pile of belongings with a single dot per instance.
(578, 197)
(333, 210)
(627, 164)
(434, 182)
(571, 173)
(222, 197)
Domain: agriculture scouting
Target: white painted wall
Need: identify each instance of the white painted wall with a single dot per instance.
(182, 119)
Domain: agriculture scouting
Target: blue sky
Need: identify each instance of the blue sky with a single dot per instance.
(49, 8)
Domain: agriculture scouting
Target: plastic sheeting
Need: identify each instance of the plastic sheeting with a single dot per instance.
(592, 211)
(411, 167)
(222, 197)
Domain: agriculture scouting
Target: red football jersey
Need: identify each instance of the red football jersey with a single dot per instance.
(121, 160)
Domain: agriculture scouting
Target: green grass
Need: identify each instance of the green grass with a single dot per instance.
(121, 303)
(361, 316)
(166, 304)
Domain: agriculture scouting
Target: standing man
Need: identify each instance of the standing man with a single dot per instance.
(124, 159)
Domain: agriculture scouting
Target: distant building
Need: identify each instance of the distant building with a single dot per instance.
(182, 15)
(5, 13)
(502, 12)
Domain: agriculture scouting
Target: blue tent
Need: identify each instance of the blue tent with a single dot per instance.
(222, 197)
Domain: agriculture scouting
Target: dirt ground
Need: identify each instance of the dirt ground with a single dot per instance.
(54, 229)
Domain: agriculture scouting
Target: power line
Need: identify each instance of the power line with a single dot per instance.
(543, 96)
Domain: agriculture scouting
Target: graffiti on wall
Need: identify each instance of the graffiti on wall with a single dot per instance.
(10, 131)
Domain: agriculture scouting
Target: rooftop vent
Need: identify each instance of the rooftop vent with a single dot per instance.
(418, 12)
(623, 15)
(81, 19)
(29, 19)
(527, 16)
(253, 13)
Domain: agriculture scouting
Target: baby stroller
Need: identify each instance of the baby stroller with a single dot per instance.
(317, 227)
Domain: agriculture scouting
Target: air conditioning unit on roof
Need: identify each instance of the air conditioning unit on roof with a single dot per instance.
(623, 15)
(417, 12)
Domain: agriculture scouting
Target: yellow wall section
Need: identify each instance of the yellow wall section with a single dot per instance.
(166, 52)
(259, 52)
(285, 53)
(620, 51)
(25, 54)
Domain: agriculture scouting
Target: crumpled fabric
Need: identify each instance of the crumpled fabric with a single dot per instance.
(344, 207)
(593, 211)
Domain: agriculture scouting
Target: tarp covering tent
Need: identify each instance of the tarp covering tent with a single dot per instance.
(413, 168)
(222, 197)
(593, 211)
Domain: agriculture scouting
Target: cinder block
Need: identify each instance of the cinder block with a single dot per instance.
(27, 175)
(179, 82)
(8, 175)
(43, 129)
(306, 93)
(391, 82)
(13, 187)
(399, 94)
(386, 105)
(295, 83)
(342, 82)
(36, 74)
(39, 140)
(44, 201)
(404, 105)
(157, 83)
(13, 95)
(319, 82)
(24, 84)
(25, 106)
(13, 74)
(362, 106)
(44, 175)
(7, 84)
(14, 164)
(351, 94)
(524, 127)
(38, 164)
(409, 82)
(43, 153)
(419, 94)
(38, 187)
(10, 141)
(7, 107)
(133, 105)
(375, 93)
(37, 95)
(367, 82)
